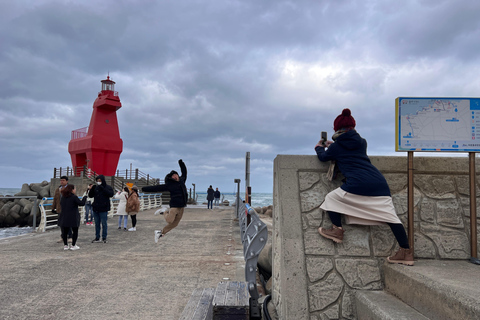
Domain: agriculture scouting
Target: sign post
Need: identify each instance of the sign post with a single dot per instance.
(439, 125)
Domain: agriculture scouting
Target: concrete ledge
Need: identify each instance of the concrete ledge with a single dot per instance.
(379, 305)
(437, 289)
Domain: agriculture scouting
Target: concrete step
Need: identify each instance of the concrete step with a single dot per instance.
(380, 305)
(199, 306)
(438, 289)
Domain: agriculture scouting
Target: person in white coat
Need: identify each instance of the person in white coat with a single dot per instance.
(121, 212)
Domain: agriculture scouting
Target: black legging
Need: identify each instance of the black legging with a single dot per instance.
(397, 229)
(134, 220)
(74, 235)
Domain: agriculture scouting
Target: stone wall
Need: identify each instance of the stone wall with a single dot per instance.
(313, 278)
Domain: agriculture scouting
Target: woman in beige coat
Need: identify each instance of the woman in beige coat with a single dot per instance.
(133, 207)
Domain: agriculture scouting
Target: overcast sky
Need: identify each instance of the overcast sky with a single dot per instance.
(207, 81)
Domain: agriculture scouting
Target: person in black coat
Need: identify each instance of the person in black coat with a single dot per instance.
(101, 194)
(210, 197)
(70, 217)
(174, 184)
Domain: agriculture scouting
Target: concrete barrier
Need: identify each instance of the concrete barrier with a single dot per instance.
(312, 277)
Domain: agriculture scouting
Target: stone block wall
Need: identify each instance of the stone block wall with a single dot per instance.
(313, 278)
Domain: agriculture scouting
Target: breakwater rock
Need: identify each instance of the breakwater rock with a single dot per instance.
(268, 210)
(18, 212)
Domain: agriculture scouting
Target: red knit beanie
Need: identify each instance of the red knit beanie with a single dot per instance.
(345, 120)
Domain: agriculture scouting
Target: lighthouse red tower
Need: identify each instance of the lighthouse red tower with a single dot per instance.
(99, 149)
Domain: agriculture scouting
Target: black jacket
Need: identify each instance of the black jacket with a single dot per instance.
(177, 189)
(70, 216)
(210, 194)
(101, 195)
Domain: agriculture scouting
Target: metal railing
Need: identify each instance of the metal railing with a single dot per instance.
(126, 174)
(254, 235)
(49, 220)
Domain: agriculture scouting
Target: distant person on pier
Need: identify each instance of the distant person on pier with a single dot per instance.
(57, 208)
(210, 197)
(364, 197)
(217, 197)
(88, 207)
(175, 184)
(70, 217)
(122, 197)
(133, 207)
(101, 194)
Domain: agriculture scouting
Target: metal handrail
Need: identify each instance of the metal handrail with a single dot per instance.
(254, 235)
(88, 173)
(49, 220)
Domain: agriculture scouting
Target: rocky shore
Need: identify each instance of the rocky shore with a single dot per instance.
(18, 211)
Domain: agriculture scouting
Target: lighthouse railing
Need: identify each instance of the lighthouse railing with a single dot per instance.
(79, 133)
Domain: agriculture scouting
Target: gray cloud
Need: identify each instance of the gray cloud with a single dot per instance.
(207, 81)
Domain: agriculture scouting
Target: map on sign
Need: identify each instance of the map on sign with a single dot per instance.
(437, 124)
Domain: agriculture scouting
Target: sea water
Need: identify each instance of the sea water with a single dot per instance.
(258, 199)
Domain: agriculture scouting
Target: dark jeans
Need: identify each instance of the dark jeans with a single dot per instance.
(100, 218)
(88, 212)
(73, 230)
(210, 204)
(397, 229)
(68, 230)
(134, 220)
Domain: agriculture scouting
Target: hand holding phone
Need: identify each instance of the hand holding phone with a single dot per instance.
(323, 138)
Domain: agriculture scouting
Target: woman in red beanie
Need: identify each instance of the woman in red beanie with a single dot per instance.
(364, 197)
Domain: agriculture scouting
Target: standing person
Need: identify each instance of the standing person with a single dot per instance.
(217, 197)
(364, 198)
(101, 194)
(122, 197)
(210, 197)
(70, 217)
(88, 207)
(57, 208)
(175, 184)
(133, 207)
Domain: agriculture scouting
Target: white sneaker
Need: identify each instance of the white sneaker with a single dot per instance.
(132, 229)
(75, 247)
(66, 247)
(158, 234)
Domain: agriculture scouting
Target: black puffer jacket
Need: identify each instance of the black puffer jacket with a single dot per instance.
(177, 189)
(101, 195)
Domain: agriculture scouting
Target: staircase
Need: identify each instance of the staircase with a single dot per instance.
(432, 289)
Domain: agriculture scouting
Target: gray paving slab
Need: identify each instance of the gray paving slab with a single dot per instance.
(130, 277)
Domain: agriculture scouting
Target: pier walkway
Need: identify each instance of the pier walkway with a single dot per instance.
(130, 277)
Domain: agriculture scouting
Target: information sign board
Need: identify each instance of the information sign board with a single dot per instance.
(437, 124)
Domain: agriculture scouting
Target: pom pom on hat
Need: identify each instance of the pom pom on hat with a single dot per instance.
(344, 121)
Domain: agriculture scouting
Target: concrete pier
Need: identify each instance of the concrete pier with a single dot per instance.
(130, 277)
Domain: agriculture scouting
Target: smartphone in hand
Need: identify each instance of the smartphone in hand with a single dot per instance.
(324, 137)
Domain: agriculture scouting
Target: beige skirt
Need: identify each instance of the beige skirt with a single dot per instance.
(363, 210)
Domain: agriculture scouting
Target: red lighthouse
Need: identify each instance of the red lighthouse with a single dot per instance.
(99, 149)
